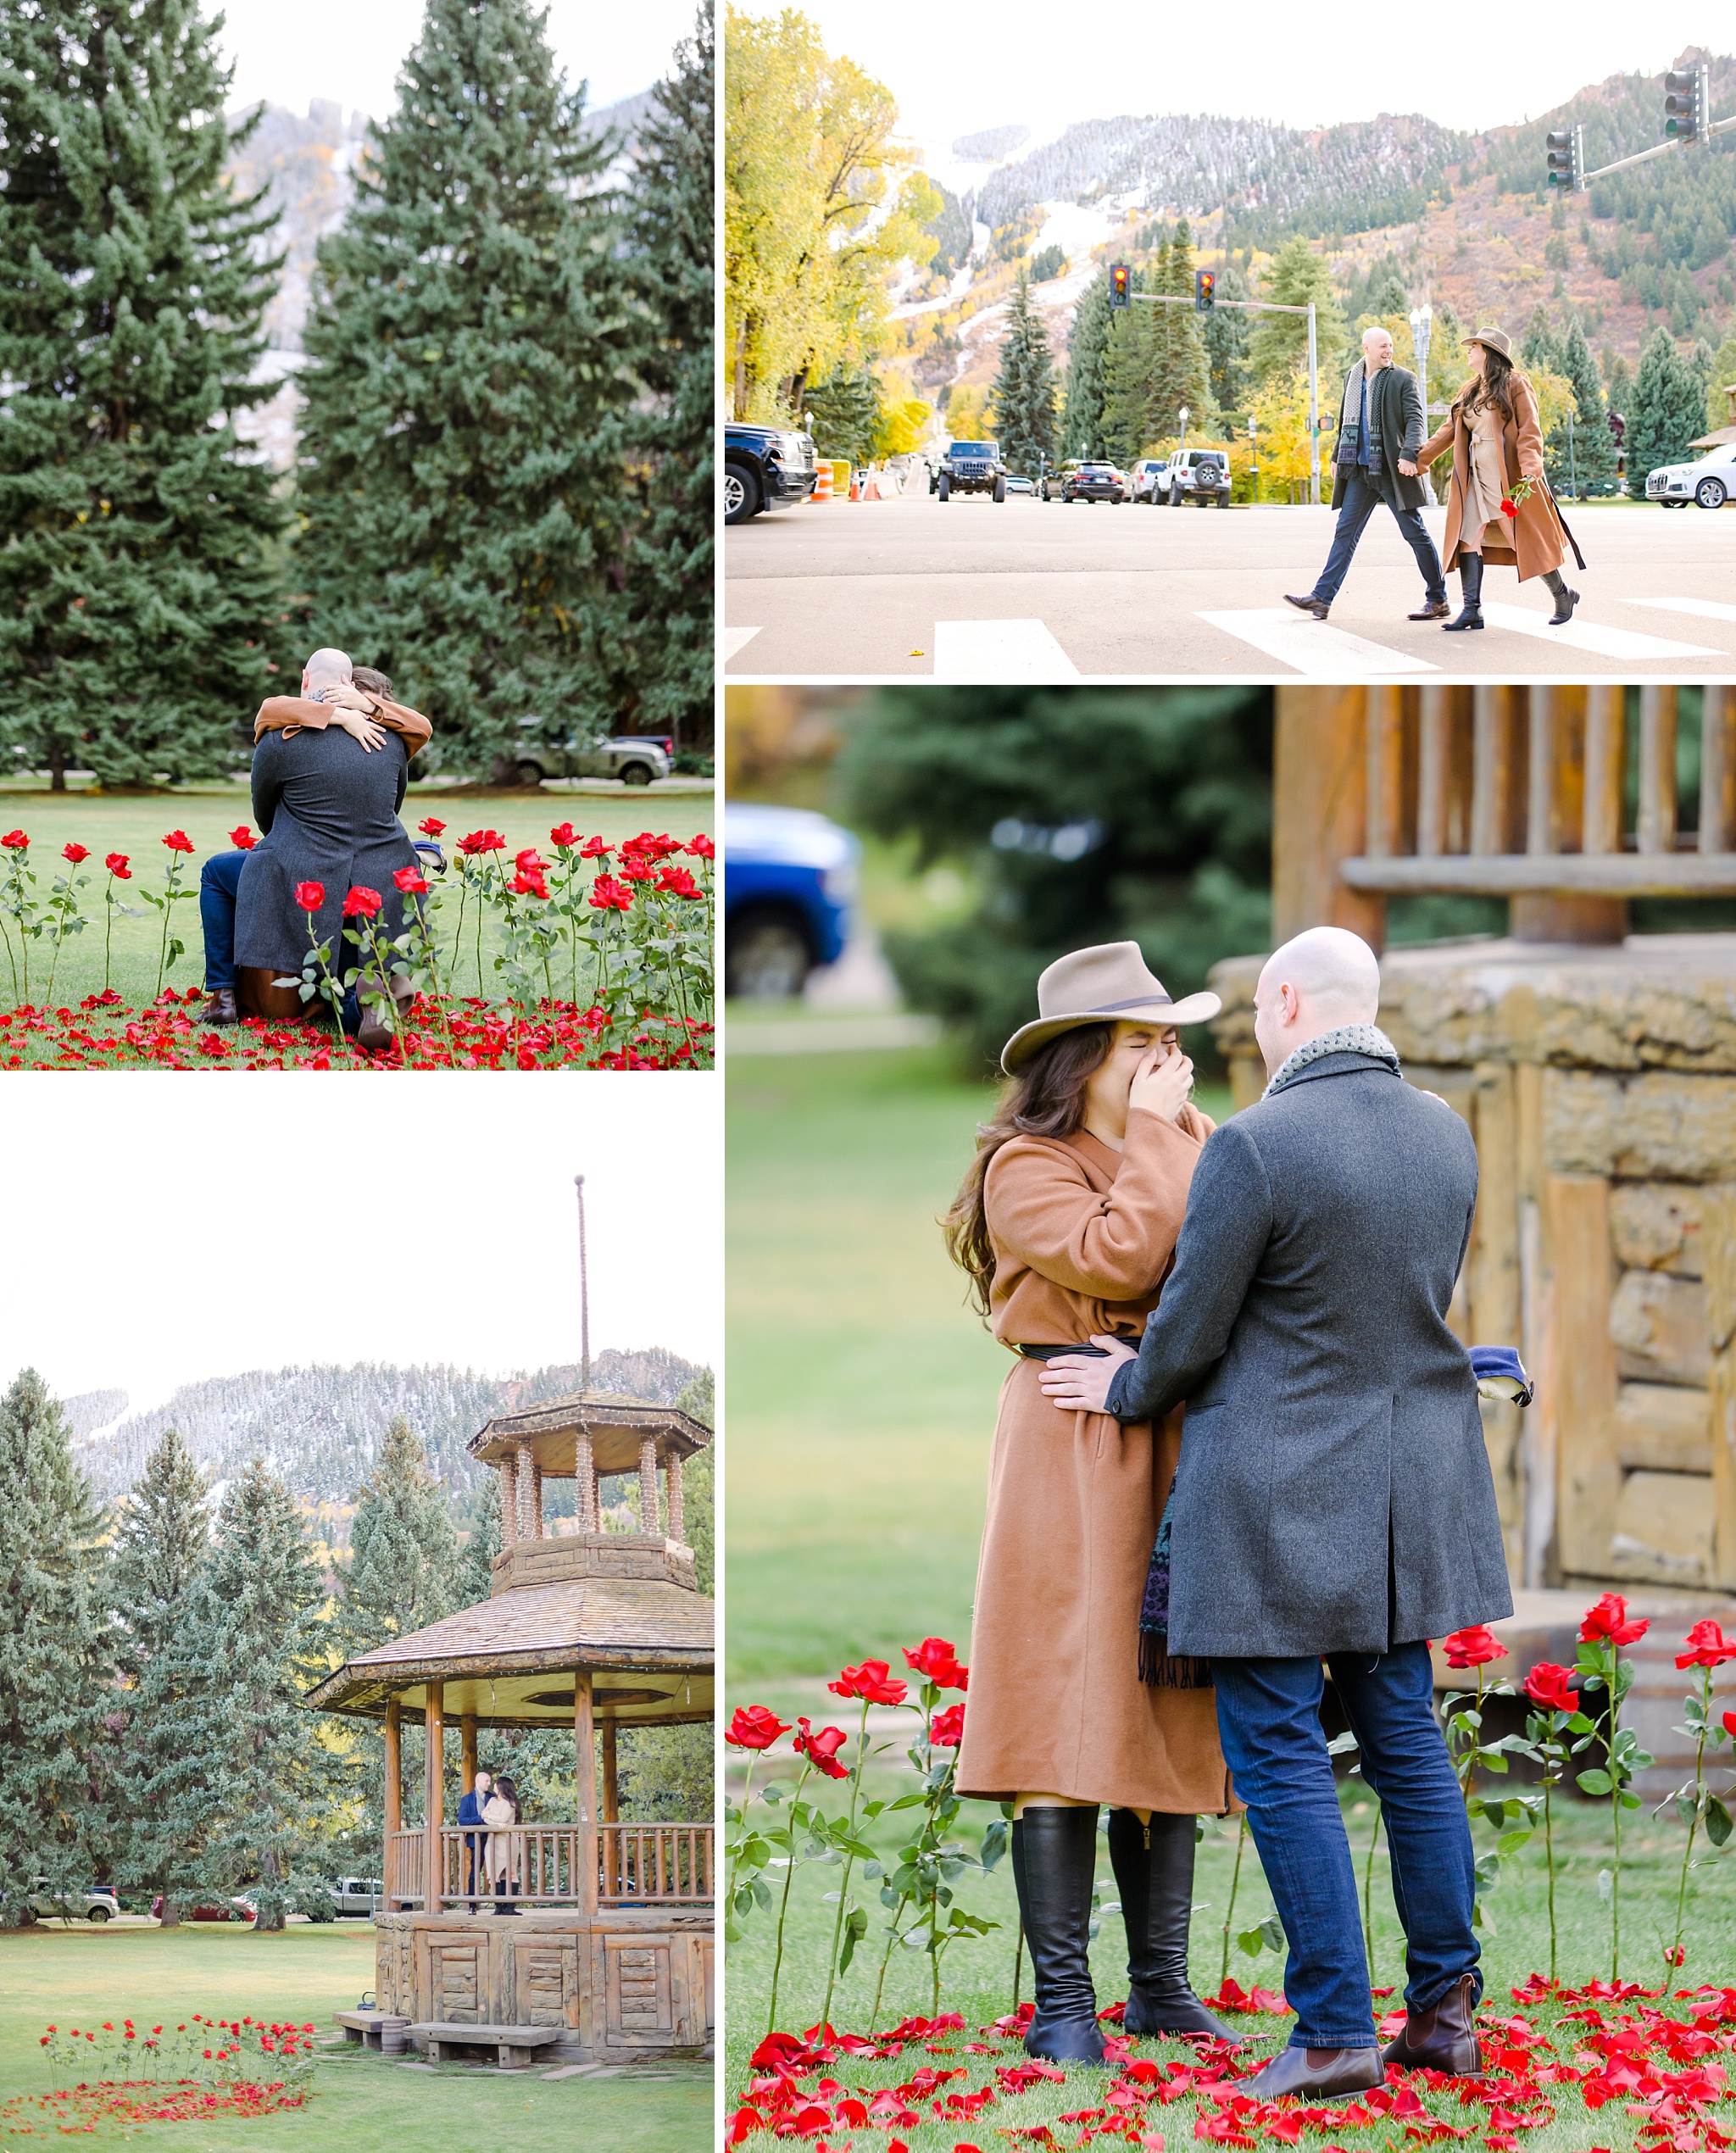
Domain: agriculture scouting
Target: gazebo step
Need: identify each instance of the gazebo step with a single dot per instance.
(516, 2045)
(366, 2025)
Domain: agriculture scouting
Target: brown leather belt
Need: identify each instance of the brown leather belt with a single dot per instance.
(1054, 1352)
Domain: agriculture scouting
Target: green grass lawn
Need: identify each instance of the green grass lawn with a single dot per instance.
(136, 824)
(363, 2104)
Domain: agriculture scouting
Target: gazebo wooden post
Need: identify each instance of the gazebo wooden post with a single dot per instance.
(672, 1481)
(648, 1520)
(611, 1794)
(585, 1483)
(585, 1748)
(394, 1798)
(467, 1752)
(508, 1503)
(525, 1493)
(434, 1809)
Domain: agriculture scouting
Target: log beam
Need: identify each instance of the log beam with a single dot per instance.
(585, 1780)
(434, 1799)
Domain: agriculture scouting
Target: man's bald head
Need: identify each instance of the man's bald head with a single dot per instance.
(327, 668)
(1317, 983)
(1377, 346)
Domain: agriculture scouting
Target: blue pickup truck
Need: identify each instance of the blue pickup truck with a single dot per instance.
(789, 885)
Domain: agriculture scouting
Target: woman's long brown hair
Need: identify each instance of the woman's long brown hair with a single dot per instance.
(1495, 384)
(1046, 1098)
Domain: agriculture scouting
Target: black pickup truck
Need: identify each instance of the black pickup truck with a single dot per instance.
(763, 468)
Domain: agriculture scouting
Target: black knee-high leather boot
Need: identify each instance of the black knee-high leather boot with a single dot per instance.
(1153, 1867)
(1566, 600)
(1471, 584)
(1055, 1857)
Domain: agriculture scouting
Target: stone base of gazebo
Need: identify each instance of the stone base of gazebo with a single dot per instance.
(624, 1983)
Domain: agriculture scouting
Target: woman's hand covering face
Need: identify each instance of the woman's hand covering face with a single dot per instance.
(1162, 1082)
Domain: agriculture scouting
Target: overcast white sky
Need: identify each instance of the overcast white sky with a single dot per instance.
(349, 50)
(963, 69)
(167, 1226)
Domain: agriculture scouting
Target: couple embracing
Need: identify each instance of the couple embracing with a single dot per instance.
(1157, 1594)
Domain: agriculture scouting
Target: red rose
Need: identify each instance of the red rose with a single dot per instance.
(1473, 1648)
(432, 828)
(528, 882)
(754, 1727)
(592, 848)
(702, 848)
(1609, 1619)
(869, 1682)
(310, 896)
(1508, 507)
(76, 853)
(16, 840)
(410, 880)
(118, 866)
(1552, 1687)
(179, 841)
(821, 1748)
(480, 840)
(677, 881)
(947, 1729)
(1707, 1646)
(1730, 1725)
(564, 835)
(607, 894)
(636, 870)
(935, 1661)
(362, 903)
(242, 839)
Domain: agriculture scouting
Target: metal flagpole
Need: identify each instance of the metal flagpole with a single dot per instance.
(584, 1295)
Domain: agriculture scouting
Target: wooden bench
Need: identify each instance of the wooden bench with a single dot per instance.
(364, 2026)
(515, 2046)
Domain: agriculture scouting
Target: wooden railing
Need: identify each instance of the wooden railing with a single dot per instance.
(1512, 791)
(544, 1864)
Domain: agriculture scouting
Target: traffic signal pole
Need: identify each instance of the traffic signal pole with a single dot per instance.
(1266, 306)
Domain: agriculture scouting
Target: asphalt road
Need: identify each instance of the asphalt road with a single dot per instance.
(1027, 590)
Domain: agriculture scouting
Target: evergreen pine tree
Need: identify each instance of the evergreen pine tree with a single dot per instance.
(1279, 342)
(1130, 362)
(1226, 337)
(1025, 388)
(138, 605)
(473, 1571)
(1540, 346)
(1593, 461)
(55, 1673)
(475, 333)
(1182, 373)
(669, 464)
(403, 1548)
(247, 1784)
(162, 1540)
(1085, 352)
(1669, 409)
(1719, 408)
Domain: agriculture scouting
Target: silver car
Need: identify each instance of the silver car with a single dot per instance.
(633, 761)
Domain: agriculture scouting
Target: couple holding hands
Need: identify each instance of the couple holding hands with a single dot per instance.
(1156, 1595)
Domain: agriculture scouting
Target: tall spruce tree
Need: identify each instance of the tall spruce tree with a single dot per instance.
(403, 1548)
(1130, 364)
(1541, 344)
(1279, 341)
(1225, 335)
(1025, 387)
(162, 1540)
(1182, 370)
(54, 1667)
(1592, 462)
(473, 1572)
(474, 335)
(137, 601)
(247, 1784)
(667, 595)
(1669, 409)
(1082, 428)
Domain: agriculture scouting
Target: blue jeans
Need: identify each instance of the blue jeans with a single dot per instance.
(1361, 501)
(219, 878)
(1268, 1718)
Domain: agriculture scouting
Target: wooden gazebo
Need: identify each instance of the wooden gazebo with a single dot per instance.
(610, 1931)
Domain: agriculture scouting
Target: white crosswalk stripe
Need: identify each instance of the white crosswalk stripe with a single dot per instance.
(1586, 635)
(1020, 652)
(735, 641)
(1315, 646)
(1706, 609)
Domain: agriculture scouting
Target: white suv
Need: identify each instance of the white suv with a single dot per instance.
(1145, 477)
(1710, 482)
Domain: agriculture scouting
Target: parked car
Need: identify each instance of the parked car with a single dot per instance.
(972, 467)
(1018, 484)
(1201, 476)
(789, 885)
(763, 468)
(362, 1897)
(1083, 482)
(1708, 483)
(96, 1903)
(211, 1910)
(634, 759)
(1148, 480)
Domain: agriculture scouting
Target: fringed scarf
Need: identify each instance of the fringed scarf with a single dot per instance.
(1159, 1667)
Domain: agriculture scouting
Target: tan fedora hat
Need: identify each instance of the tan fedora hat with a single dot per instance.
(1099, 986)
(1496, 340)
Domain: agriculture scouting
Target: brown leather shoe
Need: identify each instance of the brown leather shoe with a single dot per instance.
(1433, 609)
(1443, 2037)
(220, 1009)
(1319, 2074)
(1317, 607)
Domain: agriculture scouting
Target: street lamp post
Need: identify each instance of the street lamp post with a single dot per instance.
(1184, 414)
(1421, 320)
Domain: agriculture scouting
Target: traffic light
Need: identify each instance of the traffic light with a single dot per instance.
(1566, 159)
(1120, 278)
(1204, 291)
(1687, 95)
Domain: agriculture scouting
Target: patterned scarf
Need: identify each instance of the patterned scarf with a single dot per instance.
(1348, 1039)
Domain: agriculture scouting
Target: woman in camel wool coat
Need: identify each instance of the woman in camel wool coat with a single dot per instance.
(1067, 1223)
(1496, 438)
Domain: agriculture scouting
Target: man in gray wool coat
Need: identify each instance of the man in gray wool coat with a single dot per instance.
(1334, 1499)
